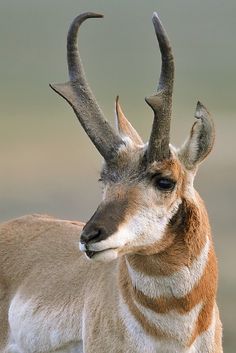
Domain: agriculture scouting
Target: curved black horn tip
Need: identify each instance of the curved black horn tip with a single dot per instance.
(90, 15)
(117, 98)
(83, 17)
(95, 14)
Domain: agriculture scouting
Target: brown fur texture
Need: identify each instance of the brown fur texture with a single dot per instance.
(186, 235)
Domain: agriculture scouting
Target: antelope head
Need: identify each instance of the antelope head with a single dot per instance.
(143, 184)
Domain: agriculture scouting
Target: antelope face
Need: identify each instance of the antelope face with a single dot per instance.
(139, 199)
(143, 184)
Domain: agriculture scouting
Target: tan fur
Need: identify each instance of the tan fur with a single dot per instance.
(40, 260)
(35, 241)
(218, 334)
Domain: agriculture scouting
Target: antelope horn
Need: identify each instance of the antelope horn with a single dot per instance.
(161, 103)
(78, 94)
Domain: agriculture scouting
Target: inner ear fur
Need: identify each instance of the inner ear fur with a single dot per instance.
(200, 141)
(124, 127)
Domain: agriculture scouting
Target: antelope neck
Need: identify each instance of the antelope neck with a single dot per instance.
(164, 291)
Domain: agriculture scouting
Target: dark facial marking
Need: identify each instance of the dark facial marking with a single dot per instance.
(105, 221)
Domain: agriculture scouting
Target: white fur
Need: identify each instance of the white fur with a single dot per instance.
(190, 192)
(141, 341)
(105, 256)
(36, 328)
(144, 343)
(193, 143)
(178, 326)
(178, 284)
(12, 348)
(144, 228)
(205, 342)
(129, 144)
(82, 247)
(188, 152)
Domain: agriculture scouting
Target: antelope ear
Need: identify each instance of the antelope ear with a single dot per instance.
(124, 127)
(201, 139)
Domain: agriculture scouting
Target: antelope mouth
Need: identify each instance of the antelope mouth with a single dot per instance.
(90, 253)
(109, 253)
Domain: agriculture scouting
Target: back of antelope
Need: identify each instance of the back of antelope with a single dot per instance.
(158, 291)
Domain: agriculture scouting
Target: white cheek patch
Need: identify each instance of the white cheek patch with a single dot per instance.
(179, 284)
(144, 228)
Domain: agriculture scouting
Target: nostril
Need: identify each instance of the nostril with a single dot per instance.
(82, 239)
(93, 235)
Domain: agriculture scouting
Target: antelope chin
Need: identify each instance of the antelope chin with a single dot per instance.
(106, 255)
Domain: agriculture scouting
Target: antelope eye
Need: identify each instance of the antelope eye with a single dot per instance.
(164, 184)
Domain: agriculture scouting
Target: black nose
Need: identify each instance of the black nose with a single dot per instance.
(93, 235)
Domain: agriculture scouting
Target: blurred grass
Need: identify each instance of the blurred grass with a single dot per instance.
(48, 165)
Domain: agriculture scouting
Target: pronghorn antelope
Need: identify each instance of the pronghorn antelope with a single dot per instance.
(158, 292)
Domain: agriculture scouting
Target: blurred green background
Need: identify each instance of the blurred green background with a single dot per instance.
(48, 165)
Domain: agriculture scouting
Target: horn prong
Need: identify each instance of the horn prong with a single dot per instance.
(79, 95)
